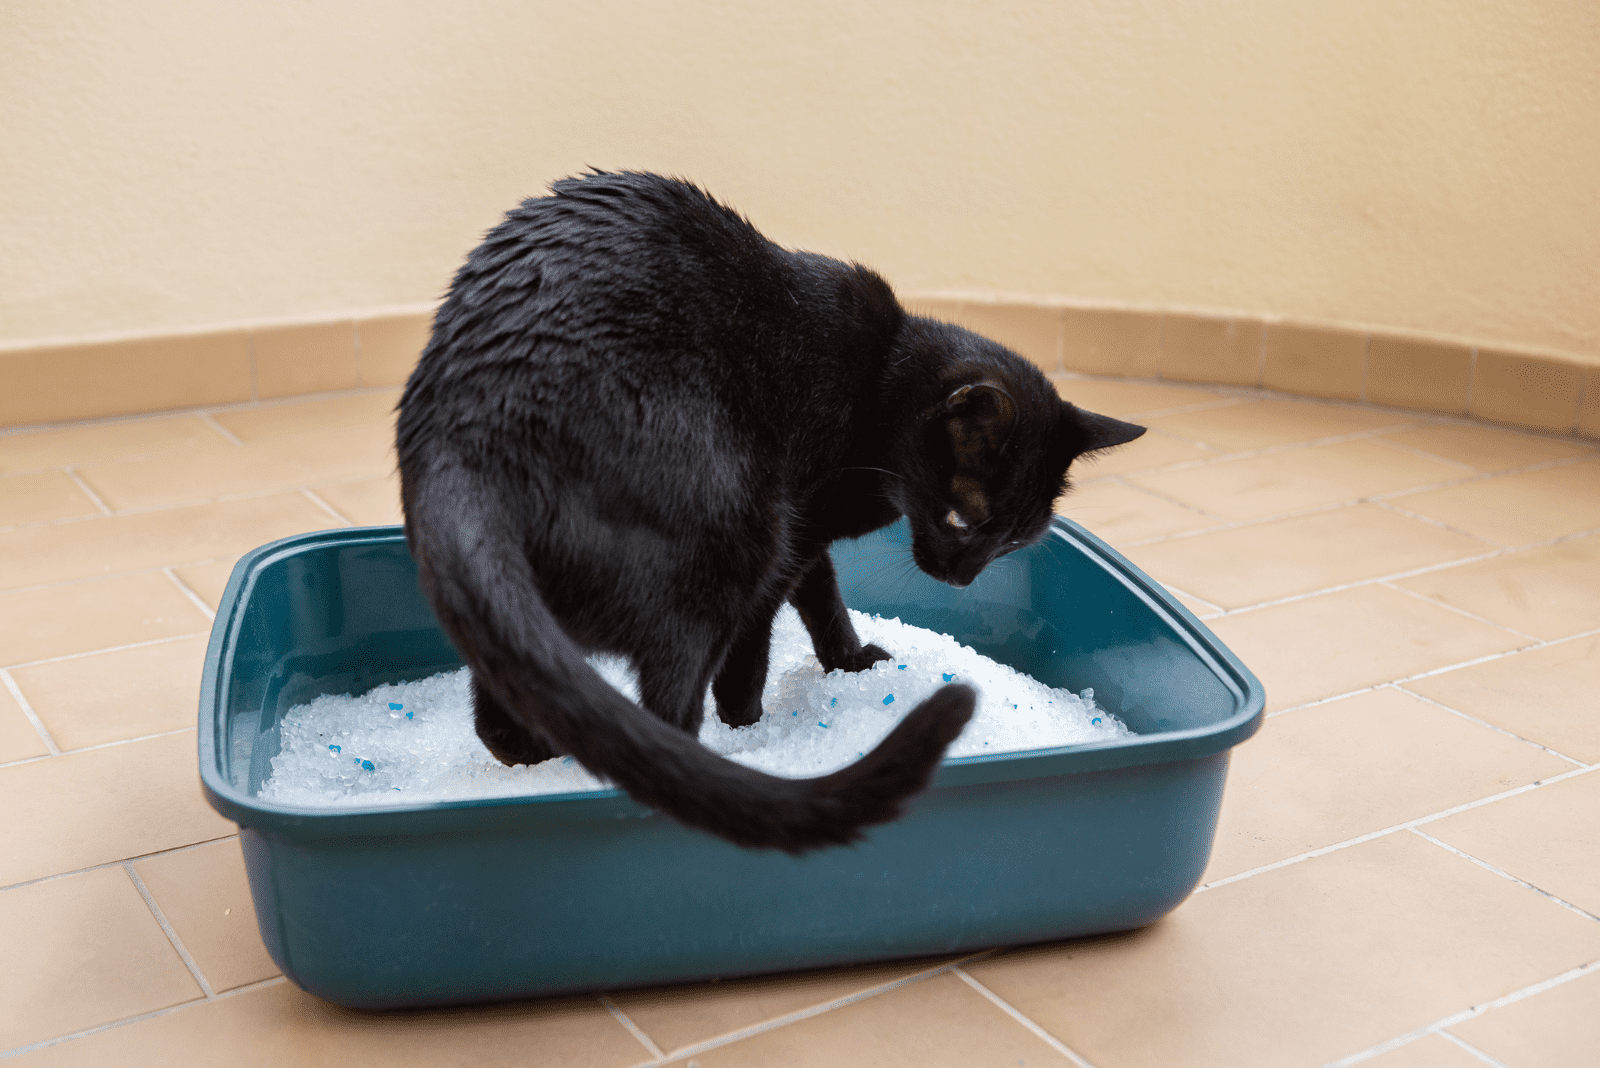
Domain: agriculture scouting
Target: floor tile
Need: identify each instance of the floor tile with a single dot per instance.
(208, 581)
(1517, 509)
(1329, 773)
(1297, 966)
(1125, 399)
(938, 1022)
(678, 1016)
(325, 413)
(89, 442)
(1283, 557)
(368, 502)
(1151, 450)
(191, 534)
(1550, 593)
(18, 739)
(1555, 1028)
(1545, 695)
(1338, 642)
(1120, 513)
(274, 463)
(82, 951)
(281, 1025)
(75, 811)
(205, 895)
(112, 696)
(1430, 1052)
(1486, 449)
(84, 616)
(1260, 424)
(1549, 837)
(1254, 487)
(41, 498)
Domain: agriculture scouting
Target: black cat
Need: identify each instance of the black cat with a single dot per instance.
(636, 429)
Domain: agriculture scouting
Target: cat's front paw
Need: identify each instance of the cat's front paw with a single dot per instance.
(860, 660)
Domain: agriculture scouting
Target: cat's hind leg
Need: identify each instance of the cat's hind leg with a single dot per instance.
(833, 637)
(743, 675)
(508, 740)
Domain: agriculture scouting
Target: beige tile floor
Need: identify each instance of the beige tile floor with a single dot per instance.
(1407, 872)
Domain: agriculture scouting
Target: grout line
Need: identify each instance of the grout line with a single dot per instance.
(206, 418)
(1006, 1007)
(1474, 1050)
(1185, 505)
(115, 575)
(115, 863)
(172, 935)
(325, 506)
(249, 988)
(1177, 591)
(633, 1028)
(98, 745)
(1563, 902)
(1408, 825)
(1376, 580)
(72, 473)
(1431, 672)
(187, 591)
(1486, 723)
(815, 1010)
(1438, 1026)
(107, 649)
(1446, 605)
(33, 718)
(1390, 506)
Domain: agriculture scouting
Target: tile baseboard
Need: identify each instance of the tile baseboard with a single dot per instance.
(92, 378)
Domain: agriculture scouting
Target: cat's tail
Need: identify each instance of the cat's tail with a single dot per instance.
(484, 594)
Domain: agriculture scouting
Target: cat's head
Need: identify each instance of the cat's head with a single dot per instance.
(991, 455)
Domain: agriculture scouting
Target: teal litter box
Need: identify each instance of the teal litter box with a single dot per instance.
(502, 898)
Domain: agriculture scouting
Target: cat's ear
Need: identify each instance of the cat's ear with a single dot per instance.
(1096, 431)
(980, 417)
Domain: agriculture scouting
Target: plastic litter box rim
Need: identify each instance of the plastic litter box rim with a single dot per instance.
(441, 816)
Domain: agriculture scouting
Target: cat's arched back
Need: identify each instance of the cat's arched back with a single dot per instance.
(636, 429)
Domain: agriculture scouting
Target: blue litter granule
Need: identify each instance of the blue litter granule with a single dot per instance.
(832, 702)
(333, 749)
(902, 667)
(397, 788)
(948, 676)
(821, 724)
(366, 765)
(408, 715)
(1095, 721)
(889, 700)
(395, 707)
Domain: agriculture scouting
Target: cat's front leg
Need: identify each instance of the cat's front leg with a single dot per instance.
(822, 610)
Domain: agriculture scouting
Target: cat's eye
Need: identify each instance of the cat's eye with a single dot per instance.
(955, 520)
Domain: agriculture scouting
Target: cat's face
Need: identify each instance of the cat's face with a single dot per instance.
(990, 473)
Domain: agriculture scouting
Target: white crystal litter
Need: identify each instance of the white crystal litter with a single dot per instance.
(414, 742)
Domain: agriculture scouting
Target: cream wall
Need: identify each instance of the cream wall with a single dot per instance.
(1425, 166)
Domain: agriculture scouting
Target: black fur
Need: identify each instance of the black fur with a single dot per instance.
(636, 429)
